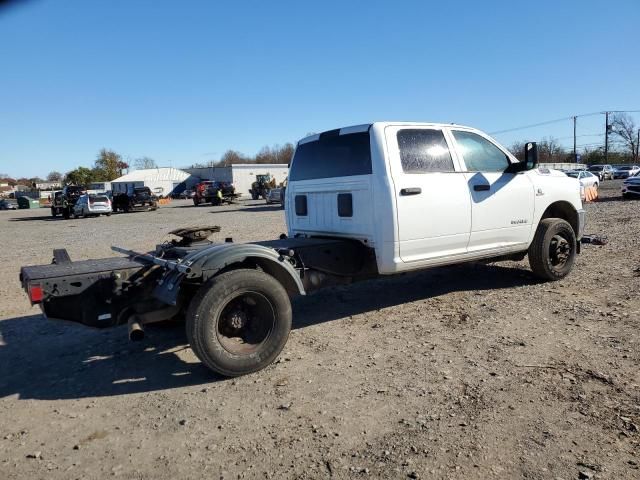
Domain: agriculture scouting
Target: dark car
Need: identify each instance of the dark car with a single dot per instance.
(140, 198)
(7, 205)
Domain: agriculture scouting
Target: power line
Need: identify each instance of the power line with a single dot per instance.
(558, 120)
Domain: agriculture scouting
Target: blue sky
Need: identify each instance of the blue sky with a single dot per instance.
(182, 82)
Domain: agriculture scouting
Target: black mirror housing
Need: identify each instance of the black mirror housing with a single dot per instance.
(531, 155)
(530, 159)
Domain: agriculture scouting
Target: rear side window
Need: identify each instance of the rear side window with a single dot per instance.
(424, 151)
(332, 155)
(480, 155)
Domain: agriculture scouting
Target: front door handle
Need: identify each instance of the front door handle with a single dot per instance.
(411, 191)
(482, 187)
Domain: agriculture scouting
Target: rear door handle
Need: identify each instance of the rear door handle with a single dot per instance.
(482, 187)
(411, 191)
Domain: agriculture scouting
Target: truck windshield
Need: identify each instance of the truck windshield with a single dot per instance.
(332, 155)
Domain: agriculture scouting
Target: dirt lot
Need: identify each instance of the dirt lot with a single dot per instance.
(475, 371)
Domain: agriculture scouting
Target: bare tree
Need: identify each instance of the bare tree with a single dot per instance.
(625, 130)
(517, 149)
(550, 151)
(54, 176)
(231, 157)
(143, 163)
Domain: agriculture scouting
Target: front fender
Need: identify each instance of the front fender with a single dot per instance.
(206, 263)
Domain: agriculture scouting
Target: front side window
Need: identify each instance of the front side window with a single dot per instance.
(424, 151)
(480, 155)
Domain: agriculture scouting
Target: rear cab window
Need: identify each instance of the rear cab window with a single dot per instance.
(424, 151)
(332, 155)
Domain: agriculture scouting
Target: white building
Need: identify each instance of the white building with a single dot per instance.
(162, 181)
(241, 175)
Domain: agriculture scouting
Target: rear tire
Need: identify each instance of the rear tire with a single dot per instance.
(239, 322)
(552, 252)
(254, 195)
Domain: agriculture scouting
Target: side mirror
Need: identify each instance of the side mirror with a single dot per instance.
(530, 155)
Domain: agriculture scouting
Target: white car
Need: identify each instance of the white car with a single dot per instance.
(586, 178)
(626, 171)
(92, 205)
(631, 186)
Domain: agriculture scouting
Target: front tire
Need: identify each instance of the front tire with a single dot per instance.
(552, 252)
(239, 322)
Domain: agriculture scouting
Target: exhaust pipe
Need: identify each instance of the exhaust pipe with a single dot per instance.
(136, 331)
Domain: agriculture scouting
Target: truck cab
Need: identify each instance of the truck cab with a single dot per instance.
(423, 194)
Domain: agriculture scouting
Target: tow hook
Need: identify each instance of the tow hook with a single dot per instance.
(594, 239)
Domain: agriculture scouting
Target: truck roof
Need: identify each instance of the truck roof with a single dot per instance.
(365, 126)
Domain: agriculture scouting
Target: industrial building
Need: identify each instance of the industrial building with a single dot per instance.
(162, 181)
(241, 175)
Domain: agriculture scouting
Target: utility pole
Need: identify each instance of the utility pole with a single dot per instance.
(638, 148)
(575, 156)
(606, 137)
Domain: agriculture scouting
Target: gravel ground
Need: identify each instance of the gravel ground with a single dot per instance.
(474, 371)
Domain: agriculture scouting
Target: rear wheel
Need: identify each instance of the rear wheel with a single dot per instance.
(239, 322)
(553, 250)
(254, 195)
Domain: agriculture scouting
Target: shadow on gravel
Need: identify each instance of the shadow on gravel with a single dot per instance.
(47, 218)
(42, 359)
(377, 294)
(263, 208)
(611, 199)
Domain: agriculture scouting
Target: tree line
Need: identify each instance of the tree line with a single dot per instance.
(274, 154)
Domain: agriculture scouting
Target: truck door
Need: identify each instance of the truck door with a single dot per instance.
(432, 199)
(502, 203)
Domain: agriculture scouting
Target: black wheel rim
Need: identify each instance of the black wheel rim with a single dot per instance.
(560, 251)
(245, 323)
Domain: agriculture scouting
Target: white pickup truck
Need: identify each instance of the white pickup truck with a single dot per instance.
(363, 201)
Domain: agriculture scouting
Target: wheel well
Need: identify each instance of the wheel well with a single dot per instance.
(269, 267)
(563, 210)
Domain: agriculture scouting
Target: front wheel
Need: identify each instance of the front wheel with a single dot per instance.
(239, 322)
(553, 250)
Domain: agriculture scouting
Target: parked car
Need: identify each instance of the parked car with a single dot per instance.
(274, 196)
(631, 186)
(138, 199)
(603, 172)
(587, 179)
(8, 205)
(92, 205)
(625, 171)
